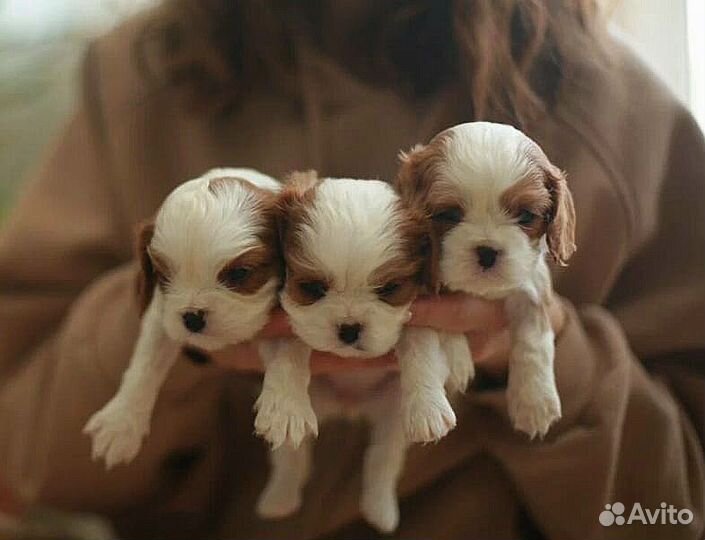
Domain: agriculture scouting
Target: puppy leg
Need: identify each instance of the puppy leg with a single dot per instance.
(118, 428)
(284, 411)
(460, 364)
(289, 472)
(532, 396)
(382, 467)
(426, 412)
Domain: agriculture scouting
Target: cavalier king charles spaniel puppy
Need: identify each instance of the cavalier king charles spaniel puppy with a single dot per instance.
(210, 270)
(355, 259)
(498, 206)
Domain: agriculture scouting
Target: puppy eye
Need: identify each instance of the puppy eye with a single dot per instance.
(235, 276)
(525, 217)
(453, 215)
(315, 290)
(388, 289)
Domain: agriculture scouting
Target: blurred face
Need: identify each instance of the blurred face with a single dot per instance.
(352, 267)
(214, 259)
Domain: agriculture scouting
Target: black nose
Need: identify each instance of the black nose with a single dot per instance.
(486, 256)
(349, 333)
(194, 321)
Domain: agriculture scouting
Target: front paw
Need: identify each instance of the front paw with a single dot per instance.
(381, 510)
(462, 372)
(428, 418)
(284, 418)
(533, 407)
(117, 432)
(278, 501)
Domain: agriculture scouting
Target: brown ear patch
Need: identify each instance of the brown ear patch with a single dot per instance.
(247, 273)
(147, 277)
(531, 195)
(424, 193)
(419, 169)
(560, 219)
(265, 260)
(297, 194)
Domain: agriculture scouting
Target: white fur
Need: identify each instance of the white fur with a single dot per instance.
(196, 233)
(351, 230)
(482, 160)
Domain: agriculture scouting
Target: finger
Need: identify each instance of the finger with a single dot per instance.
(325, 363)
(277, 326)
(458, 313)
(242, 357)
(490, 351)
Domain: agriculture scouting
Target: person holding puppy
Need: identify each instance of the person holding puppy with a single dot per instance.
(341, 87)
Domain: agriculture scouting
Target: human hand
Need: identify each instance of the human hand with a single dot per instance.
(482, 321)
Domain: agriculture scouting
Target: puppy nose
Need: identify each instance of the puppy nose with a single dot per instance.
(194, 321)
(349, 333)
(486, 256)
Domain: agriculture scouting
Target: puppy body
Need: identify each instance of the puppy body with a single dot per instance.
(355, 261)
(210, 268)
(498, 207)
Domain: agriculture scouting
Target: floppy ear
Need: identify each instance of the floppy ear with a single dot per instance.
(560, 233)
(429, 251)
(147, 278)
(297, 191)
(412, 177)
(424, 247)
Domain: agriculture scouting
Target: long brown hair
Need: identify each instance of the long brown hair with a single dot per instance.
(510, 55)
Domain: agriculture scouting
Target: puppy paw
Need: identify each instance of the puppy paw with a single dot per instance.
(284, 418)
(278, 501)
(381, 510)
(117, 432)
(428, 418)
(461, 374)
(533, 408)
(460, 365)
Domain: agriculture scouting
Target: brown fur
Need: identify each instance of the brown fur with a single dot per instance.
(425, 194)
(560, 230)
(297, 194)
(147, 277)
(529, 193)
(263, 260)
(418, 265)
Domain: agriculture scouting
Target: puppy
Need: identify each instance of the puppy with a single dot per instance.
(210, 270)
(498, 206)
(355, 260)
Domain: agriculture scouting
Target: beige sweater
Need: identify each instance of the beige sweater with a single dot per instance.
(634, 292)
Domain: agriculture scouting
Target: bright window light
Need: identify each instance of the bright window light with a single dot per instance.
(696, 54)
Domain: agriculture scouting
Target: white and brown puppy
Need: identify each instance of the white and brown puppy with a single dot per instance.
(210, 270)
(498, 206)
(355, 260)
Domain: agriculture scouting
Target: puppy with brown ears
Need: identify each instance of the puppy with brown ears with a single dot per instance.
(210, 270)
(498, 206)
(356, 258)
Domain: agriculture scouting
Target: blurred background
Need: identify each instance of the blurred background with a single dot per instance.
(41, 42)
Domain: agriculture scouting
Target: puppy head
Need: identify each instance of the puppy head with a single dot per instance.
(355, 260)
(213, 254)
(496, 203)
